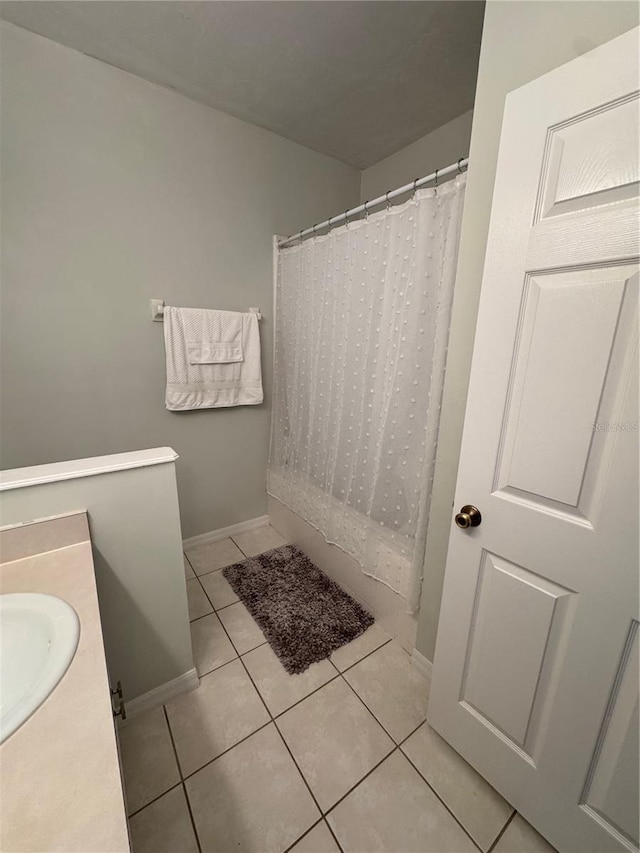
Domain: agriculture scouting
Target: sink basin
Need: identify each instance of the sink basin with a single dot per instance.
(38, 638)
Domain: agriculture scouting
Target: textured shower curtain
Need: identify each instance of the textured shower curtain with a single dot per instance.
(362, 322)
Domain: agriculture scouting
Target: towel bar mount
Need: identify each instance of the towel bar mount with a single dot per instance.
(157, 310)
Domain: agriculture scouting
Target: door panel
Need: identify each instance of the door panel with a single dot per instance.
(568, 329)
(612, 792)
(515, 634)
(592, 160)
(534, 678)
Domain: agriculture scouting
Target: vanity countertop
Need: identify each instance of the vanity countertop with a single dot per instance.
(60, 785)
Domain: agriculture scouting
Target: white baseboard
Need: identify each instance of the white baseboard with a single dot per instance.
(422, 664)
(225, 532)
(159, 695)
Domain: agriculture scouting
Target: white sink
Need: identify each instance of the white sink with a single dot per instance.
(38, 638)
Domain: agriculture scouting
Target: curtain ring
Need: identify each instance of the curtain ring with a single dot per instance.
(386, 195)
(415, 188)
(346, 218)
(436, 183)
(366, 212)
(314, 230)
(459, 166)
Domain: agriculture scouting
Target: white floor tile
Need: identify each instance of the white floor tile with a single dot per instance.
(199, 604)
(334, 740)
(259, 540)
(148, 762)
(394, 810)
(164, 826)
(478, 807)
(215, 555)
(354, 651)
(241, 627)
(188, 571)
(251, 799)
(211, 646)
(392, 689)
(521, 837)
(223, 710)
(319, 840)
(278, 688)
(218, 589)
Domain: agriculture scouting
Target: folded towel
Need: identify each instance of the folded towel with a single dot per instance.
(213, 359)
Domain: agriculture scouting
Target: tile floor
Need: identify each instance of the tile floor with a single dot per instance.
(338, 758)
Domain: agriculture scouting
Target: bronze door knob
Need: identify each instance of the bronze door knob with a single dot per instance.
(469, 516)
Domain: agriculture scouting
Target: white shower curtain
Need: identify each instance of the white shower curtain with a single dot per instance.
(362, 322)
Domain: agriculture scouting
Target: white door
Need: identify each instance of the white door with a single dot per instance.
(535, 677)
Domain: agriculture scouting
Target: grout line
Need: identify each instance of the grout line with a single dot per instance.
(397, 747)
(286, 745)
(297, 766)
(384, 729)
(405, 739)
(229, 637)
(184, 788)
(502, 832)
(238, 658)
(216, 668)
(246, 556)
(237, 743)
(368, 655)
(214, 611)
(193, 823)
(224, 628)
(266, 707)
(433, 790)
(211, 571)
(273, 720)
(304, 835)
(216, 614)
(155, 799)
(360, 781)
(335, 837)
(282, 713)
(264, 725)
(204, 616)
(173, 743)
(248, 652)
(227, 606)
(316, 689)
(266, 642)
(299, 701)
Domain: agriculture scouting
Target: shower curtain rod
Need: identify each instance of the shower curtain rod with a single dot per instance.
(367, 205)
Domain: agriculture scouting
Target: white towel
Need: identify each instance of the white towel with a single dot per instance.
(213, 359)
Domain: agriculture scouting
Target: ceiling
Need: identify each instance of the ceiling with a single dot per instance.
(357, 80)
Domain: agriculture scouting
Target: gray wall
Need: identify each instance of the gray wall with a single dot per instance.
(137, 553)
(437, 149)
(115, 191)
(521, 41)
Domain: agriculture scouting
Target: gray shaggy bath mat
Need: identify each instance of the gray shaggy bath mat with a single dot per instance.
(304, 615)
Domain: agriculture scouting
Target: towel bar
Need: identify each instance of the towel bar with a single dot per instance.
(157, 310)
